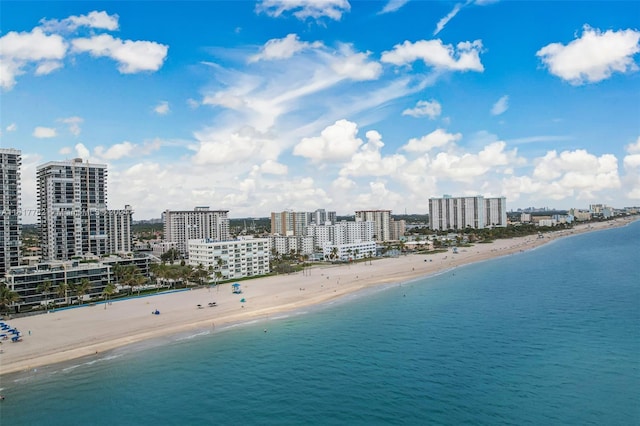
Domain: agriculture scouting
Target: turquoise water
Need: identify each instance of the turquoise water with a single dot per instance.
(550, 336)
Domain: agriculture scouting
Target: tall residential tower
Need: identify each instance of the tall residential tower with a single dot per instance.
(10, 227)
(72, 204)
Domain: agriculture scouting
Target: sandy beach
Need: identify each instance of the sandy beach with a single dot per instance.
(73, 333)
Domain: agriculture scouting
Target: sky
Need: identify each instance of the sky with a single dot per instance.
(264, 106)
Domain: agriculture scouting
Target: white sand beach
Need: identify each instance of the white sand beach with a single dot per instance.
(68, 334)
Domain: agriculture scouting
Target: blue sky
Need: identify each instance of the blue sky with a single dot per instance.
(264, 106)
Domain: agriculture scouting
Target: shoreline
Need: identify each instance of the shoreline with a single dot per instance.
(65, 335)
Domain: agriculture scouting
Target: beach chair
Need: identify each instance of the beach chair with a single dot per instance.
(16, 339)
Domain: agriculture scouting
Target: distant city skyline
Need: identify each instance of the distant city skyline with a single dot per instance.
(258, 107)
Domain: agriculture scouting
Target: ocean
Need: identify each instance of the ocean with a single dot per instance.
(545, 337)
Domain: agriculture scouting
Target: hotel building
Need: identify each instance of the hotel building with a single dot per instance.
(467, 212)
(200, 223)
(72, 204)
(10, 227)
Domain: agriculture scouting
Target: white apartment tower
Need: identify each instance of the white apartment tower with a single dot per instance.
(72, 206)
(10, 227)
(119, 226)
(381, 220)
(200, 223)
(466, 212)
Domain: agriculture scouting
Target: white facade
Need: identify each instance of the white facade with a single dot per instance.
(200, 223)
(347, 252)
(381, 220)
(238, 258)
(466, 212)
(10, 227)
(72, 204)
(341, 233)
(286, 244)
(398, 228)
(119, 226)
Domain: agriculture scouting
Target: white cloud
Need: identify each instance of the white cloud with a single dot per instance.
(12, 127)
(500, 106)
(436, 139)
(354, 65)
(303, 9)
(132, 56)
(98, 20)
(631, 161)
(579, 171)
(632, 148)
(593, 57)
(449, 16)
(44, 132)
(464, 57)
(431, 109)
(115, 152)
(82, 151)
(273, 167)
(162, 108)
(393, 5)
(369, 162)
(283, 48)
(74, 124)
(65, 151)
(337, 142)
(466, 167)
(18, 51)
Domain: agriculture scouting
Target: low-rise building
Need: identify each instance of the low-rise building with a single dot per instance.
(349, 251)
(240, 258)
(28, 281)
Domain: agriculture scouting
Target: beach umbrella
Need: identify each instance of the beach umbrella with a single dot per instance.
(242, 300)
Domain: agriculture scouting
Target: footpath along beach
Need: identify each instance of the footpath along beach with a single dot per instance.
(74, 333)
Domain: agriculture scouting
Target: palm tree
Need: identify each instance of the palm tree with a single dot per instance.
(62, 292)
(107, 292)
(45, 289)
(7, 297)
(83, 288)
(334, 253)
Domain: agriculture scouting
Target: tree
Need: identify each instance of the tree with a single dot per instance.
(7, 297)
(83, 288)
(45, 289)
(62, 292)
(170, 256)
(107, 293)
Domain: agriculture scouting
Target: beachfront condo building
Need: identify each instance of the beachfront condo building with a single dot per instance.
(72, 204)
(343, 232)
(397, 228)
(10, 214)
(119, 227)
(200, 223)
(60, 276)
(349, 251)
(382, 221)
(292, 244)
(294, 223)
(245, 257)
(467, 212)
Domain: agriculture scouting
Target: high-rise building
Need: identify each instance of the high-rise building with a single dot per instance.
(467, 212)
(119, 227)
(200, 223)
(72, 205)
(289, 223)
(10, 227)
(381, 220)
